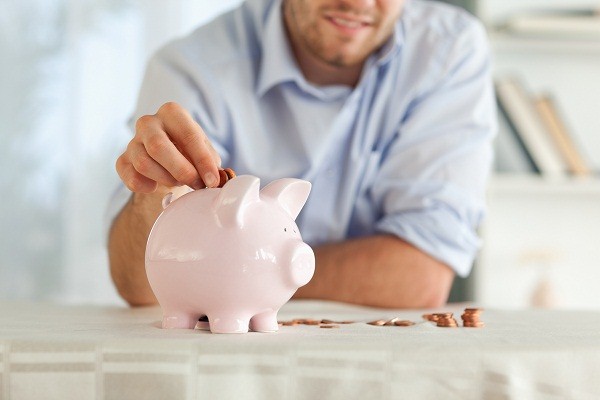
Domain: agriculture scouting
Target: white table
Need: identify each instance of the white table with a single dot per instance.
(89, 352)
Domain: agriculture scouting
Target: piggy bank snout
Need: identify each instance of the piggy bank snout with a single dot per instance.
(302, 265)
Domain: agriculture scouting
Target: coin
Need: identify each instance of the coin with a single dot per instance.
(473, 324)
(430, 317)
(312, 322)
(403, 323)
(230, 173)
(471, 318)
(223, 178)
(379, 322)
(329, 326)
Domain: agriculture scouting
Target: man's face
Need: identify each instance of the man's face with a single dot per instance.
(341, 33)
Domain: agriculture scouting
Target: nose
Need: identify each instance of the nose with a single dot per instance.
(303, 264)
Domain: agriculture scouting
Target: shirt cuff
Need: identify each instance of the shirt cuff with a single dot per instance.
(437, 233)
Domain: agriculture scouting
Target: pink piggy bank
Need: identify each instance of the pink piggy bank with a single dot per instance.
(234, 255)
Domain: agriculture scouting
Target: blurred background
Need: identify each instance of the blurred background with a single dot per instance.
(69, 75)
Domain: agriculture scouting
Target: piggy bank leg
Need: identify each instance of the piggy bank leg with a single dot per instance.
(228, 323)
(265, 322)
(179, 320)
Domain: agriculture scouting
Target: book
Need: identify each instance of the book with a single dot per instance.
(511, 155)
(548, 111)
(575, 23)
(525, 119)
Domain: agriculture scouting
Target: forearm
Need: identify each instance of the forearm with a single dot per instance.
(127, 247)
(379, 271)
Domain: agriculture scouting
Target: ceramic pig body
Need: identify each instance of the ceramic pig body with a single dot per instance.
(233, 254)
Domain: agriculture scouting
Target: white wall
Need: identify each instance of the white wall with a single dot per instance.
(69, 75)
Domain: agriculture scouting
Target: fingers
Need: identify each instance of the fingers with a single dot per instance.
(160, 148)
(144, 164)
(170, 149)
(134, 181)
(191, 140)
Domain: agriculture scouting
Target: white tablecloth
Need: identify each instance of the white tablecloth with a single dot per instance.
(87, 352)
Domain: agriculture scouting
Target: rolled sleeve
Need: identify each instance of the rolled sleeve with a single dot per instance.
(436, 227)
(431, 182)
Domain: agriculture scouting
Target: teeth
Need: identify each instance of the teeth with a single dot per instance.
(347, 23)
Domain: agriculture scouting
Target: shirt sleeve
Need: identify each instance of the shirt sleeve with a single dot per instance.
(175, 74)
(431, 183)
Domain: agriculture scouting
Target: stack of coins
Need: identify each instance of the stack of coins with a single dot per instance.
(225, 175)
(445, 320)
(471, 318)
(430, 317)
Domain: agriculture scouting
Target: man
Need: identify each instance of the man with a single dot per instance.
(386, 106)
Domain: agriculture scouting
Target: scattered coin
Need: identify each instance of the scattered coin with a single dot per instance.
(470, 319)
(312, 322)
(379, 322)
(403, 323)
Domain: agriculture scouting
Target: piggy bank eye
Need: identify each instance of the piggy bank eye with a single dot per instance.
(285, 229)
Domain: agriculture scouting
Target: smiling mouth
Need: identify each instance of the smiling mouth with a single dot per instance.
(347, 23)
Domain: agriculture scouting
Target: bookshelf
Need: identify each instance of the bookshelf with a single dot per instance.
(541, 244)
(540, 239)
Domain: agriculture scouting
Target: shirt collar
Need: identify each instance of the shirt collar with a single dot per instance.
(278, 64)
(392, 46)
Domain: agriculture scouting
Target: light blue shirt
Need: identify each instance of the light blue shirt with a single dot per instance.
(406, 152)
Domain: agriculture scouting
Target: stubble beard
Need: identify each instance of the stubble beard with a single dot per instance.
(314, 42)
(317, 46)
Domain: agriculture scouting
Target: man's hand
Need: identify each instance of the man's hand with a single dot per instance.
(169, 149)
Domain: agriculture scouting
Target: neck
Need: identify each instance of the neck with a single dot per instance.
(321, 73)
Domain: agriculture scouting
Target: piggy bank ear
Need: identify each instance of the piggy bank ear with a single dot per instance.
(233, 199)
(290, 193)
(174, 195)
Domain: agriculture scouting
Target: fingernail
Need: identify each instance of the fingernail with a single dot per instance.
(210, 179)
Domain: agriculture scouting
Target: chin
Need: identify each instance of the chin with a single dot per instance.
(345, 61)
